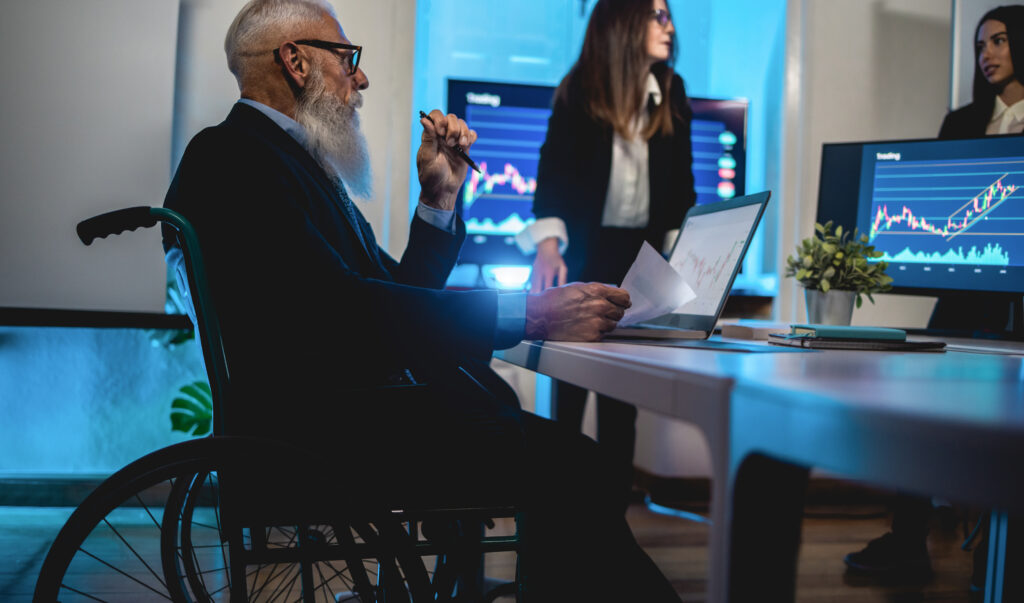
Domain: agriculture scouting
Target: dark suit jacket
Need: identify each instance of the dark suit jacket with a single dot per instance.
(966, 122)
(575, 166)
(968, 312)
(310, 316)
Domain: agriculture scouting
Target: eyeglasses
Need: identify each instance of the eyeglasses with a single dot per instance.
(349, 59)
(661, 16)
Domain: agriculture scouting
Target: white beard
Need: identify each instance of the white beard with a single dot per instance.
(334, 136)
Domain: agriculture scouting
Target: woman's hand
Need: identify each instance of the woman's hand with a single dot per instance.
(548, 267)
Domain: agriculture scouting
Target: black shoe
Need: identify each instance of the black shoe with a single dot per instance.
(889, 557)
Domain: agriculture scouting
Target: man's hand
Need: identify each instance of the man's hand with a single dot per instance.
(548, 267)
(575, 312)
(441, 170)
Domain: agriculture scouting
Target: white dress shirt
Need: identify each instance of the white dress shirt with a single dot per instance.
(1006, 120)
(627, 203)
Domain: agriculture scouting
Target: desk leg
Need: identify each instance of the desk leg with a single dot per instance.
(995, 571)
(718, 545)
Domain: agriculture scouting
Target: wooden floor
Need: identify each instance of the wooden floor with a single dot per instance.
(678, 546)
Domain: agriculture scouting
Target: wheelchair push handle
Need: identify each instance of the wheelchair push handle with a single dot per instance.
(115, 222)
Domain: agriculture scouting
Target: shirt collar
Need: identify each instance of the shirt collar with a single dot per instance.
(289, 125)
(1016, 110)
(652, 89)
(998, 109)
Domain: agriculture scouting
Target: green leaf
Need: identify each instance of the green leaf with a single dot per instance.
(192, 411)
(825, 285)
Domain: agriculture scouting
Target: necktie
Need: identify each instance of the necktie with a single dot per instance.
(350, 211)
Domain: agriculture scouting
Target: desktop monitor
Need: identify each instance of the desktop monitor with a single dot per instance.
(946, 214)
(511, 122)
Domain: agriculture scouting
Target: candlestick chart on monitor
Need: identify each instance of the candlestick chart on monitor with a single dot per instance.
(499, 199)
(956, 212)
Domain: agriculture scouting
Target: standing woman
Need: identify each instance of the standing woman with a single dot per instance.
(997, 108)
(998, 104)
(614, 171)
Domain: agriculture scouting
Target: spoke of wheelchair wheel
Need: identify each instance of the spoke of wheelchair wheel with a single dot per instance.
(134, 552)
(324, 582)
(78, 592)
(276, 576)
(219, 527)
(285, 584)
(202, 575)
(350, 580)
(212, 593)
(257, 588)
(126, 574)
(170, 484)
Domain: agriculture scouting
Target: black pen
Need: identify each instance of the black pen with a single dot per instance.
(458, 149)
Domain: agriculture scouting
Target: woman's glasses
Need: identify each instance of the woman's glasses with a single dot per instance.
(661, 16)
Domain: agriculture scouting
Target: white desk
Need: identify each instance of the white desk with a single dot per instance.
(949, 424)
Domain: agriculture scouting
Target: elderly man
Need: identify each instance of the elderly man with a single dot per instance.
(333, 343)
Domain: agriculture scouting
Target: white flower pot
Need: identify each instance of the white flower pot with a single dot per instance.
(832, 308)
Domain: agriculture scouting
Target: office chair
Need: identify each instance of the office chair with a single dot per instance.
(242, 518)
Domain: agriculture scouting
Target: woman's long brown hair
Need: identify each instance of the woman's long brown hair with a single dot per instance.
(610, 74)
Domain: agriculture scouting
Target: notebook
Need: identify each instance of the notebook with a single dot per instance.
(845, 337)
(708, 253)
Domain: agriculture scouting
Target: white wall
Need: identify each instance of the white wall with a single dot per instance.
(857, 71)
(91, 90)
(85, 120)
(385, 28)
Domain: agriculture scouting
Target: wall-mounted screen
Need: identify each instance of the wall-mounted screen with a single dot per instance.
(511, 123)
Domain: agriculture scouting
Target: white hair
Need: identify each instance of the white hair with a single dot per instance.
(259, 21)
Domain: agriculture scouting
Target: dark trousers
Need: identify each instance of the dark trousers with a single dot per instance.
(616, 429)
(767, 517)
(462, 440)
(578, 544)
(910, 515)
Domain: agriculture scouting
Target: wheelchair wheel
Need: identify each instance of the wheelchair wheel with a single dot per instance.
(195, 555)
(153, 531)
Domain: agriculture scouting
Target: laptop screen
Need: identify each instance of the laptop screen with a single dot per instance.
(710, 247)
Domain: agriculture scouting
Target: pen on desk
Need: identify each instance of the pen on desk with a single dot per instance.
(458, 149)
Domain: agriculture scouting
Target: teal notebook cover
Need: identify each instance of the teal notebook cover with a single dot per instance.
(847, 332)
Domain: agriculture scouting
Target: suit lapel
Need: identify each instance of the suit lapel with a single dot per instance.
(253, 120)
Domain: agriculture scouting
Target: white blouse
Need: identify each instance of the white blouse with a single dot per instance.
(1006, 120)
(628, 201)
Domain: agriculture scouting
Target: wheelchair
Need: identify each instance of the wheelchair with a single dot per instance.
(229, 517)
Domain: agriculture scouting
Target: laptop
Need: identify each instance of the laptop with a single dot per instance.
(708, 254)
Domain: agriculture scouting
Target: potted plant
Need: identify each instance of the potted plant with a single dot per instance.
(836, 270)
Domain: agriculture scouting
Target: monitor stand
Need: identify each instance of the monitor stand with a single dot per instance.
(978, 315)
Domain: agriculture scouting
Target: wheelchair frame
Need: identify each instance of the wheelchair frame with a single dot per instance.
(206, 546)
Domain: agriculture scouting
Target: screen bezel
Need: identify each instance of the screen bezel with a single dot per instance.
(706, 322)
(847, 215)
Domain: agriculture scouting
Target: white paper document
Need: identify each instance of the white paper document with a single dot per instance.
(654, 287)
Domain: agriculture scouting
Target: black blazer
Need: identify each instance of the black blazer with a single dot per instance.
(306, 310)
(575, 166)
(966, 122)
